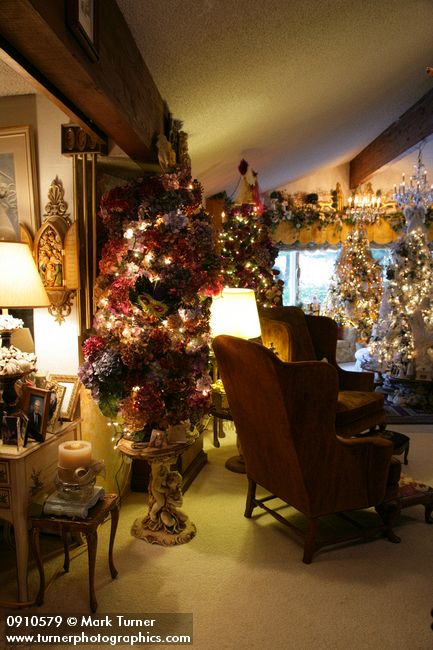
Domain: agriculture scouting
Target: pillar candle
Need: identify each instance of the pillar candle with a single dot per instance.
(74, 454)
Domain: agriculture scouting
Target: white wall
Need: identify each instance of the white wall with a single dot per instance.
(56, 345)
(384, 179)
(321, 181)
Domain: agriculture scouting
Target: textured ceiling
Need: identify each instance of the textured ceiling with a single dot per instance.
(292, 86)
(12, 83)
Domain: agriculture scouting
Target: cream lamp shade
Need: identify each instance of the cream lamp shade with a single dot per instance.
(234, 312)
(20, 283)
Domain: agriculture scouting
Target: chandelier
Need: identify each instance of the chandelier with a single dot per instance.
(364, 208)
(417, 192)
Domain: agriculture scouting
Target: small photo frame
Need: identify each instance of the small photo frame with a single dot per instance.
(36, 405)
(71, 396)
(14, 430)
(57, 393)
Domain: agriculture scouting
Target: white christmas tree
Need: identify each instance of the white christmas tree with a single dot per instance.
(402, 340)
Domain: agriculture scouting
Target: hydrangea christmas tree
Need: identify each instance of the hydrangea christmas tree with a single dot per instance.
(146, 362)
(355, 291)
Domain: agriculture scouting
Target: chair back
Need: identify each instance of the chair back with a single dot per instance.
(284, 414)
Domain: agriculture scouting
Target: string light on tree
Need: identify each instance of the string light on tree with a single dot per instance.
(355, 291)
(248, 253)
(146, 363)
(407, 307)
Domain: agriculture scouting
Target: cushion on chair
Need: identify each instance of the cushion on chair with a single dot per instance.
(358, 410)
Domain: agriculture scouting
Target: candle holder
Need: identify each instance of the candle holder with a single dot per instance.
(76, 485)
(75, 480)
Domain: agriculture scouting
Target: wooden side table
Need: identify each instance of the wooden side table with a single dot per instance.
(26, 476)
(89, 528)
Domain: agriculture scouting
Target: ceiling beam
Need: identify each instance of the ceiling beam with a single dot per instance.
(410, 129)
(112, 96)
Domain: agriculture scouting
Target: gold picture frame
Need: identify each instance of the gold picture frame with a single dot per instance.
(18, 182)
(71, 395)
(57, 394)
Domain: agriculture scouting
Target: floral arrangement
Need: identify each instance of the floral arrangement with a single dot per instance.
(147, 362)
(8, 323)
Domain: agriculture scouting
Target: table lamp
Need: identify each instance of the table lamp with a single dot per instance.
(234, 312)
(20, 288)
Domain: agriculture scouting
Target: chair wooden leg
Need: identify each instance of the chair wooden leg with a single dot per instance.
(389, 513)
(310, 542)
(251, 495)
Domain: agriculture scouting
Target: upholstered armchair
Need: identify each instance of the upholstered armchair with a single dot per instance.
(295, 336)
(284, 415)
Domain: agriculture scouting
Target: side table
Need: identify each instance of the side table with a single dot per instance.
(89, 528)
(26, 477)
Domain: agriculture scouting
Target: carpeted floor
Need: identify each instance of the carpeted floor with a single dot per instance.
(244, 581)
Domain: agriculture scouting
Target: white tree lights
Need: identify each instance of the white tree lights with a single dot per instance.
(406, 307)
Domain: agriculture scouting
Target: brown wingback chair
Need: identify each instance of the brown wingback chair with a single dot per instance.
(295, 336)
(284, 415)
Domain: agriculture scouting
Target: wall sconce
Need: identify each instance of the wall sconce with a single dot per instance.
(55, 253)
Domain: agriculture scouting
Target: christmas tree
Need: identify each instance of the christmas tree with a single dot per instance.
(146, 362)
(248, 253)
(402, 340)
(355, 291)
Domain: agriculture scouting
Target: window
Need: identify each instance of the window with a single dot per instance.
(306, 274)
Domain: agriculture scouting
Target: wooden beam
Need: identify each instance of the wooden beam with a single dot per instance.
(113, 95)
(410, 129)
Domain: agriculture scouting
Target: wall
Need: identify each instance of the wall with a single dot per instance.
(321, 181)
(56, 344)
(384, 179)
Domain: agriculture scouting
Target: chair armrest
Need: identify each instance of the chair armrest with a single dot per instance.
(368, 459)
(363, 381)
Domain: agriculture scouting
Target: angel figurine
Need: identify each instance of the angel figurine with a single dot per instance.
(423, 342)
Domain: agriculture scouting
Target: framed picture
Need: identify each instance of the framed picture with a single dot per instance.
(18, 186)
(82, 20)
(71, 395)
(35, 404)
(57, 393)
(14, 430)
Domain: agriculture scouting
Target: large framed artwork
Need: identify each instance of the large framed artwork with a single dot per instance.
(18, 183)
(82, 20)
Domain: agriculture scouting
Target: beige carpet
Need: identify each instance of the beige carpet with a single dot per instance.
(244, 580)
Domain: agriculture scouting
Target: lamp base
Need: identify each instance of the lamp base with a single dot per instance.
(236, 464)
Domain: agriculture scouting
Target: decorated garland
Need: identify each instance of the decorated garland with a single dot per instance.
(305, 210)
